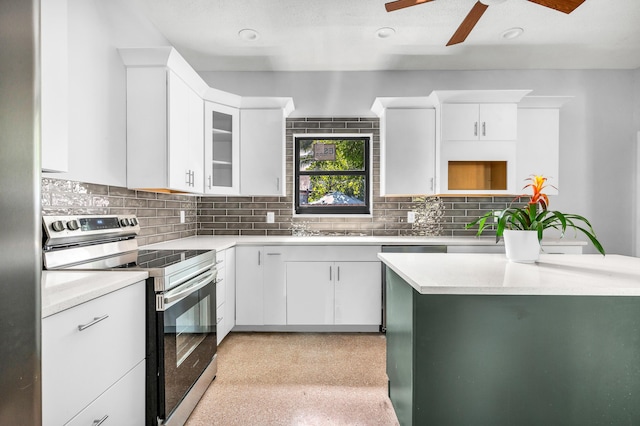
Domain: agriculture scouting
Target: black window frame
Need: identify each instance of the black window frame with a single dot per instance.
(333, 210)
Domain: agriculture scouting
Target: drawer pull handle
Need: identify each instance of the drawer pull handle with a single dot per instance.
(94, 322)
(99, 422)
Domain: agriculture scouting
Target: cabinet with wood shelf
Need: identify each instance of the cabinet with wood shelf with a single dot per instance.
(476, 144)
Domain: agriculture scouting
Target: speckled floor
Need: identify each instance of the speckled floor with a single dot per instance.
(288, 379)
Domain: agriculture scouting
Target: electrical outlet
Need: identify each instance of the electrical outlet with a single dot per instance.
(271, 217)
(411, 217)
(182, 216)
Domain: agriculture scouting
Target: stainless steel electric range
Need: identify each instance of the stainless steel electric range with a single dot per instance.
(181, 303)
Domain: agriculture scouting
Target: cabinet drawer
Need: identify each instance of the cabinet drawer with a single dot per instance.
(123, 404)
(318, 253)
(78, 366)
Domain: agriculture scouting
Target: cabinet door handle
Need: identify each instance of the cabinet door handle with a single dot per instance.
(274, 254)
(259, 258)
(475, 129)
(102, 420)
(431, 183)
(209, 181)
(94, 322)
(330, 273)
(338, 274)
(277, 184)
(218, 320)
(193, 178)
(188, 177)
(484, 128)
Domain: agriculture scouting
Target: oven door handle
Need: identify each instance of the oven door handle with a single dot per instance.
(175, 295)
(193, 274)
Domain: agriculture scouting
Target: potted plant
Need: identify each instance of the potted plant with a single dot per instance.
(534, 218)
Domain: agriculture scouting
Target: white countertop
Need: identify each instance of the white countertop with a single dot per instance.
(493, 274)
(203, 242)
(65, 289)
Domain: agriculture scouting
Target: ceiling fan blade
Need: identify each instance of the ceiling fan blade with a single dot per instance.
(401, 4)
(469, 22)
(566, 6)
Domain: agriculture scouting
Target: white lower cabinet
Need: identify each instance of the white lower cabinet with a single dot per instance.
(260, 285)
(358, 293)
(310, 294)
(92, 355)
(334, 293)
(122, 404)
(288, 286)
(225, 292)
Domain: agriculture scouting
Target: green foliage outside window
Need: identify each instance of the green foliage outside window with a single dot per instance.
(349, 156)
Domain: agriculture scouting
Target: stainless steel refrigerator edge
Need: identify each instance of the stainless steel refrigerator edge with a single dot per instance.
(20, 226)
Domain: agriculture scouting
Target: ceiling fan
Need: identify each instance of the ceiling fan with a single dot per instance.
(566, 6)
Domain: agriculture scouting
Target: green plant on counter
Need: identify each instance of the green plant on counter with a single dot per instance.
(535, 216)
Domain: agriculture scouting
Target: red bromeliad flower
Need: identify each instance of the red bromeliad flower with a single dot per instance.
(537, 185)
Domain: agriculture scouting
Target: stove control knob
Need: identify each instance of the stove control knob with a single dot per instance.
(133, 221)
(124, 222)
(58, 226)
(72, 225)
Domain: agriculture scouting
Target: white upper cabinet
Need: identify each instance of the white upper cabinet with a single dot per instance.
(221, 149)
(485, 122)
(185, 140)
(407, 145)
(165, 122)
(538, 146)
(54, 85)
(183, 136)
(262, 145)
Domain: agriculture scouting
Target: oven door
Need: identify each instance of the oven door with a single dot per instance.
(186, 331)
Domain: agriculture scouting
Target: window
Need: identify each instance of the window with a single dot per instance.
(332, 175)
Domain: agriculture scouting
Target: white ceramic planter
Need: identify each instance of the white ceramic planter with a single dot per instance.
(521, 246)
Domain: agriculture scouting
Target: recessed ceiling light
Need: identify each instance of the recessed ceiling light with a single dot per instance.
(512, 33)
(248, 34)
(385, 32)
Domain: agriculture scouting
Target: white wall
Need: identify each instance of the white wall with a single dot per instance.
(97, 87)
(598, 134)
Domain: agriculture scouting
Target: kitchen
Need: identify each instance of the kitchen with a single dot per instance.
(598, 131)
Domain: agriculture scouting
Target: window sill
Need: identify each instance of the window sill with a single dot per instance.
(318, 215)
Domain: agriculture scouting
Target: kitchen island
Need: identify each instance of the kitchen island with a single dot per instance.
(473, 339)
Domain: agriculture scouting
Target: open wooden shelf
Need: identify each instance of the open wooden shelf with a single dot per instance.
(477, 175)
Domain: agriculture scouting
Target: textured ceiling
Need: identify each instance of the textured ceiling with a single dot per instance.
(323, 35)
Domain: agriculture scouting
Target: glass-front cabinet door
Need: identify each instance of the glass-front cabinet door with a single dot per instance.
(222, 149)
